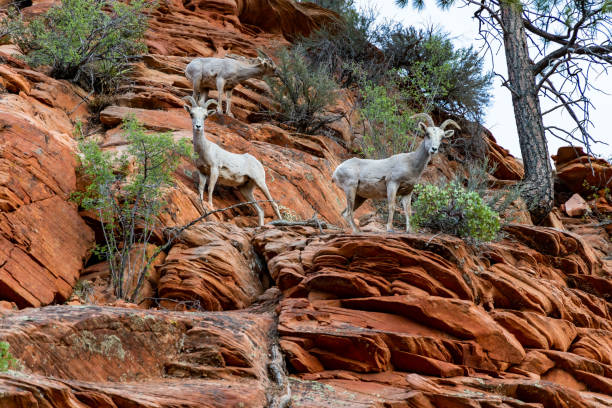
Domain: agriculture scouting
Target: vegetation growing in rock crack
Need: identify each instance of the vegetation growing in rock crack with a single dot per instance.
(126, 192)
(90, 42)
(7, 361)
(302, 91)
(454, 210)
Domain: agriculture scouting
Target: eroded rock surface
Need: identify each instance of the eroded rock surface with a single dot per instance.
(363, 309)
(43, 240)
(369, 320)
(114, 357)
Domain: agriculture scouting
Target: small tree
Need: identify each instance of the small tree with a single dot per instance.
(86, 41)
(388, 128)
(127, 193)
(302, 91)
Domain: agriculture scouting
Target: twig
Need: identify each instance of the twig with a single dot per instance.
(86, 98)
(176, 232)
(312, 222)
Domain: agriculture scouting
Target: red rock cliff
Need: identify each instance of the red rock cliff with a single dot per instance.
(370, 320)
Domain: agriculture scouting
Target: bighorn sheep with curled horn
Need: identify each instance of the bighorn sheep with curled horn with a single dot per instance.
(214, 164)
(387, 178)
(225, 74)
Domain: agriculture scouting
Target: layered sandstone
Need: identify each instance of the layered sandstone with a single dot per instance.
(368, 320)
(364, 309)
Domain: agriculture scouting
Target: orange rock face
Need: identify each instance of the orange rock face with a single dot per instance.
(211, 264)
(43, 241)
(113, 357)
(581, 173)
(363, 309)
(369, 320)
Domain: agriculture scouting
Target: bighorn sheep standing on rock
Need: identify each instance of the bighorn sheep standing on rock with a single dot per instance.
(387, 178)
(229, 169)
(225, 73)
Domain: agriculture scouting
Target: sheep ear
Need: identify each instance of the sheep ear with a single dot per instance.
(211, 112)
(423, 126)
(449, 133)
(187, 108)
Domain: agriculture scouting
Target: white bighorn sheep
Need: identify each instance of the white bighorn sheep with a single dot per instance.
(229, 169)
(225, 73)
(387, 178)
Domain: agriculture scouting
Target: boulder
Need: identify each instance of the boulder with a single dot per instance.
(576, 206)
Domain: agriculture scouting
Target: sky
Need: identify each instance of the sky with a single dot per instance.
(499, 117)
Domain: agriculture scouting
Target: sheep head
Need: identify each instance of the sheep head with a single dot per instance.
(433, 133)
(198, 111)
(266, 62)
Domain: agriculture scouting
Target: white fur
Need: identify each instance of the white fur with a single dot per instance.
(224, 73)
(391, 177)
(217, 165)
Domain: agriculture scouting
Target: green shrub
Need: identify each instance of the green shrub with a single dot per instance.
(346, 44)
(127, 193)
(302, 92)
(454, 210)
(480, 179)
(90, 42)
(388, 128)
(435, 74)
(7, 361)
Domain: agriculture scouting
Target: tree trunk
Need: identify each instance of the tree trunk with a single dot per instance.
(539, 192)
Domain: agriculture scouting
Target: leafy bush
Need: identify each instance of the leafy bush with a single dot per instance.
(86, 41)
(302, 92)
(7, 361)
(346, 44)
(454, 210)
(480, 180)
(434, 73)
(127, 193)
(388, 127)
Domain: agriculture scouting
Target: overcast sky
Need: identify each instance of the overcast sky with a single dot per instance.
(500, 115)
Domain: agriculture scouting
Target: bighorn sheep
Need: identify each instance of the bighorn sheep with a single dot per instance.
(387, 178)
(229, 169)
(225, 73)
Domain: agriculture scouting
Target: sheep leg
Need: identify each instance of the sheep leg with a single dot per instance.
(350, 192)
(264, 188)
(247, 192)
(204, 96)
(391, 193)
(220, 86)
(228, 102)
(407, 205)
(214, 174)
(201, 185)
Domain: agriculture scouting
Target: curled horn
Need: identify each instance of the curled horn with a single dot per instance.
(266, 56)
(189, 99)
(449, 122)
(208, 102)
(425, 117)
